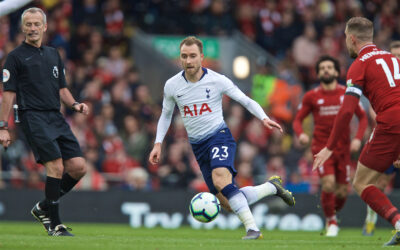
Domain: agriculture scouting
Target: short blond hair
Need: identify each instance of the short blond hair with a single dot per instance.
(361, 28)
(190, 40)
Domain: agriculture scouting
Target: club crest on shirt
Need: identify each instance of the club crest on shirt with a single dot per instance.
(6, 75)
(55, 71)
(320, 101)
(208, 93)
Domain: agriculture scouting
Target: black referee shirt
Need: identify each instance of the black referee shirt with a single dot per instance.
(36, 75)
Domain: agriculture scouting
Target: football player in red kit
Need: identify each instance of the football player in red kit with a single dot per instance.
(376, 74)
(324, 103)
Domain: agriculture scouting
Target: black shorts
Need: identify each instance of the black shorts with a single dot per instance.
(49, 136)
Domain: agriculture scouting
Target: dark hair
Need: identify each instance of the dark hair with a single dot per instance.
(394, 45)
(190, 40)
(327, 58)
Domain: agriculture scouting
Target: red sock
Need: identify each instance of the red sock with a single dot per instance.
(328, 204)
(379, 202)
(339, 203)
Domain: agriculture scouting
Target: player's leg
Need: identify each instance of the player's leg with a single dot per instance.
(75, 169)
(340, 196)
(74, 163)
(40, 135)
(222, 180)
(364, 184)
(328, 186)
(272, 187)
(342, 175)
(381, 150)
(371, 218)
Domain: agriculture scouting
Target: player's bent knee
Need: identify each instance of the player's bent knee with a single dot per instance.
(219, 183)
(358, 187)
(76, 167)
(328, 187)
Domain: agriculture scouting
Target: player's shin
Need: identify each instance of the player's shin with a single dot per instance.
(52, 192)
(328, 206)
(239, 205)
(67, 183)
(256, 193)
(379, 202)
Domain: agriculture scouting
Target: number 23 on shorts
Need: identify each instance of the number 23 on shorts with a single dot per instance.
(220, 152)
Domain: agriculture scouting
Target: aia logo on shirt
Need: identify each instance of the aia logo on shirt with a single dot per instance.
(195, 110)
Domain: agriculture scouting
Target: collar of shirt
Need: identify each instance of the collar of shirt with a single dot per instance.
(204, 73)
(366, 49)
(27, 45)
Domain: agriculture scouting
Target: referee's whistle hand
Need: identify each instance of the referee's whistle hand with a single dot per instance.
(4, 138)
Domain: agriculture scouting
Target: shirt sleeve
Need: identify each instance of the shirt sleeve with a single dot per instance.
(166, 115)
(62, 82)
(10, 73)
(303, 111)
(9, 6)
(236, 94)
(355, 80)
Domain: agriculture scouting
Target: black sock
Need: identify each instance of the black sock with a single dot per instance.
(52, 192)
(67, 183)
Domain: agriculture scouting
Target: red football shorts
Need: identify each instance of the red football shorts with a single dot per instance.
(381, 150)
(337, 165)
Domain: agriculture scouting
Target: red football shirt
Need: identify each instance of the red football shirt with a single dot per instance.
(324, 106)
(374, 73)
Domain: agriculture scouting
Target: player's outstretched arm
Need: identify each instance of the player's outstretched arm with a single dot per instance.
(155, 154)
(272, 124)
(8, 6)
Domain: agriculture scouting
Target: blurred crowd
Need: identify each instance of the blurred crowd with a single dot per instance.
(93, 38)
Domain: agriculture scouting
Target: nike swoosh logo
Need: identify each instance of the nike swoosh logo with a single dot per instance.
(28, 58)
(179, 96)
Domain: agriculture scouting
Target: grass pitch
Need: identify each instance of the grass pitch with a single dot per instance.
(31, 235)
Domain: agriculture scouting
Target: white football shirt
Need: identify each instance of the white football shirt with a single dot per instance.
(200, 104)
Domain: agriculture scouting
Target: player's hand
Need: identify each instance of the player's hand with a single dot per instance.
(81, 108)
(155, 154)
(355, 145)
(321, 157)
(271, 124)
(304, 139)
(5, 138)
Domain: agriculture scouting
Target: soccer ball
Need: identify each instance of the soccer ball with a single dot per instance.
(204, 207)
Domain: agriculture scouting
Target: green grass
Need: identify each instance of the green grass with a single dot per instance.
(23, 235)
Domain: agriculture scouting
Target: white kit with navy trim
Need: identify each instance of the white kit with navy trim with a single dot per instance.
(200, 104)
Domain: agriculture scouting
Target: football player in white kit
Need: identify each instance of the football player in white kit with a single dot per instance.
(198, 93)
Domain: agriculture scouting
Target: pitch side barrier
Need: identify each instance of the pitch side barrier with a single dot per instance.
(169, 209)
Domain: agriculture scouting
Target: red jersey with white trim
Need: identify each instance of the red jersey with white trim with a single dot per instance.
(324, 106)
(376, 74)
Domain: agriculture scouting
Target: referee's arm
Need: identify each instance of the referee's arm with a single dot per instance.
(69, 101)
(6, 103)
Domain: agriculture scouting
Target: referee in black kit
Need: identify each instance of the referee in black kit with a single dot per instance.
(34, 74)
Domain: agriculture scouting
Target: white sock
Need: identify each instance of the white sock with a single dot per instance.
(256, 193)
(240, 207)
(397, 225)
(372, 217)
